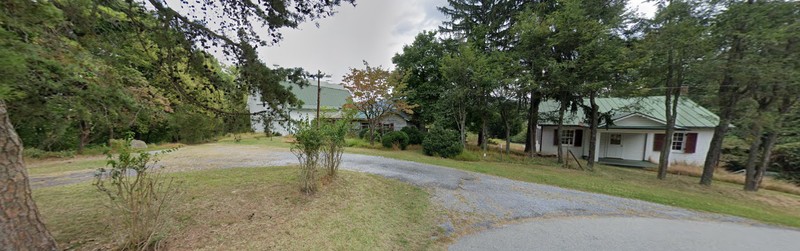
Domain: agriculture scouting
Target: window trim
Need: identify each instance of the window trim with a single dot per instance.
(682, 142)
(568, 138)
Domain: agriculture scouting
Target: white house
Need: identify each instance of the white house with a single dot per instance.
(332, 98)
(637, 131)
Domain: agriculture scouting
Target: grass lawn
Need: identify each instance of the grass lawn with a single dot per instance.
(260, 209)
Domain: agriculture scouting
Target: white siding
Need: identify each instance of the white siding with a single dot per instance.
(548, 147)
(395, 119)
(636, 120)
(696, 159)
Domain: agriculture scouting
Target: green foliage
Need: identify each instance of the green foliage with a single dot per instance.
(308, 143)
(333, 136)
(442, 142)
(415, 136)
(786, 158)
(395, 139)
(138, 195)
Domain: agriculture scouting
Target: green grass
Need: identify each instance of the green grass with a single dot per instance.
(260, 209)
(60, 167)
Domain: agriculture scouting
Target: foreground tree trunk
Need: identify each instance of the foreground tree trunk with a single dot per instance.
(592, 131)
(766, 155)
(561, 110)
(533, 123)
(21, 227)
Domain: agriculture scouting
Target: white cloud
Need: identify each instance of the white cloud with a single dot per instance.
(373, 30)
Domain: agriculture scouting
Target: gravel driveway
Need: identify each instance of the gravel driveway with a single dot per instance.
(475, 201)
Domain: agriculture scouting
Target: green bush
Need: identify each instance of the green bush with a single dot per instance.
(786, 158)
(307, 147)
(442, 142)
(396, 138)
(333, 135)
(415, 136)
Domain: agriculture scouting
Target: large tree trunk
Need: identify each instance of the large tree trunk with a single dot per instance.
(533, 123)
(484, 139)
(21, 227)
(83, 137)
(766, 155)
(592, 130)
(728, 99)
(561, 110)
(750, 167)
(671, 108)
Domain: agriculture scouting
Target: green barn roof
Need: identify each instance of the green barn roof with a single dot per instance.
(331, 95)
(690, 114)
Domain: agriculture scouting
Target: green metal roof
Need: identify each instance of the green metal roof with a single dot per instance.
(331, 95)
(690, 114)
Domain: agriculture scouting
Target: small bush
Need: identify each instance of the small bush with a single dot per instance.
(333, 144)
(415, 136)
(442, 142)
(139, 196)
(307, 145)
(395, 139)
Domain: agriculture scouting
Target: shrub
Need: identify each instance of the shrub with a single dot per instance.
(442, 142)
(415, 136)
(307, 146)
(395, 139)
(333, 144)
(138, 196)
(786, 158)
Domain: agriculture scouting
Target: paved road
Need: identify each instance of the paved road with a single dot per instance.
(478, 202)
(627, 233)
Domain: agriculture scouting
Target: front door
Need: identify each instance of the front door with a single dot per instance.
(614, 147)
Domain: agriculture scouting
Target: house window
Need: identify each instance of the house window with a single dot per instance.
(615, 139)
(568, 137)
(364, 125)
(677, 141)
(388, 127)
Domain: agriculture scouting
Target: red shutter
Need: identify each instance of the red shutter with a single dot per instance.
(691, 143)
(658, 142)
(578, 138)
(555, 137)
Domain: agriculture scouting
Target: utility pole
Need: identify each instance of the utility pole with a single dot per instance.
(319, 77)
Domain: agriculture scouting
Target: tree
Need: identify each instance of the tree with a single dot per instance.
(420, 65)
(773, 84)
(674, 45)
(173, 42)
(20, 224)
(730, 33)
(377, 92)
(468, 77)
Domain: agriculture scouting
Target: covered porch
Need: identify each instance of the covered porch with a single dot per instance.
(626, 163)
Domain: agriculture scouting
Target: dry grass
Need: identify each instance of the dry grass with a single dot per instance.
(720, 174)
(261, 209)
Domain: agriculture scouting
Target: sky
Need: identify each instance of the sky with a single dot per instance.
(373, 30)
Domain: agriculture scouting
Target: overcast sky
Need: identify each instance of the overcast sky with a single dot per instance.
(374, 31)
